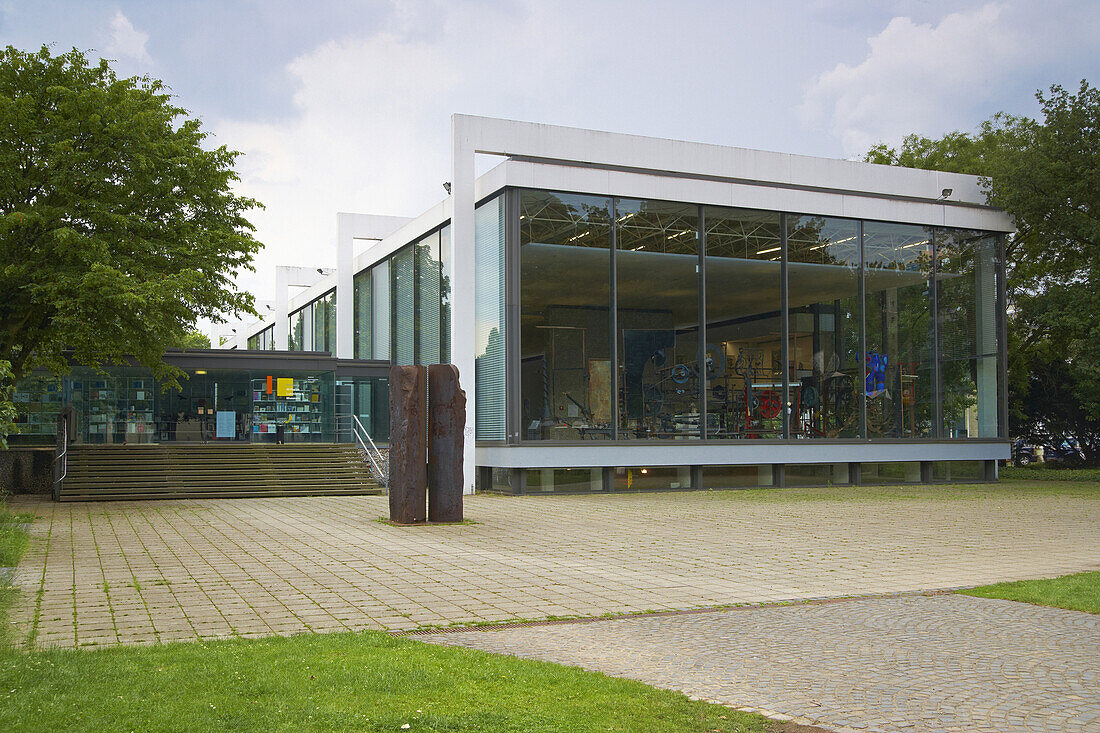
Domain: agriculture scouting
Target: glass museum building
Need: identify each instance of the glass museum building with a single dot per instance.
(632, 313)
(628, 313)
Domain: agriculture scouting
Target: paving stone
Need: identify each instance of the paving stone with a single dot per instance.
(150, 571)
(918, 663)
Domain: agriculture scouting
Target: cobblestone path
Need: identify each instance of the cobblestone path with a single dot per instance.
(915, 663)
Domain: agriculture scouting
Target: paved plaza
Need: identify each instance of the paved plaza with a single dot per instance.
(120, 572)
(102, 574)
(929, 664)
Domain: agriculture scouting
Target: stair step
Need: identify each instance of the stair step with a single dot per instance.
(106, 473)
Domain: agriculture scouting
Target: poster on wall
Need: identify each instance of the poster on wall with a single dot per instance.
(226, 426)
(284, 387)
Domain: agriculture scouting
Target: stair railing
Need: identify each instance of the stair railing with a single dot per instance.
(369, 451)
(61, 455)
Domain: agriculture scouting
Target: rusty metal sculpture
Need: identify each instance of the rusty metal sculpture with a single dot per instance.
(446, 424)
(408, 477)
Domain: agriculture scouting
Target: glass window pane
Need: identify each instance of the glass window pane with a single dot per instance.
(404, 311)
(898, 385)
(543, 480)
(565, 295)
(744, 331)
(657, 317)
(736, 477)
(815, 474)
(321, 324)
(489, 362)
(650, 478)
(823, 297)
(427, 284)
(895, 472)
(380, 310)
(362, 312)
(445, 295)
(967, 303)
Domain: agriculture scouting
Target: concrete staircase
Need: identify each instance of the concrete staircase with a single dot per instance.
(213, 470)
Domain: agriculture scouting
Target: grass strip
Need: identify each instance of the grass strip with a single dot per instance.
(1078, 592)
(365, 681)
(1038, 472)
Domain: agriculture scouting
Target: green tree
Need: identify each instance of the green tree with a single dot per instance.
(1047, 175)
(192, 340)
(118, 228)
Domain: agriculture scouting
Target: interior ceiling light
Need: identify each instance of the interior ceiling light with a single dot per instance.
(582, 234)
(846, 239)
(765, 251)
(624, 217)
(914, 244)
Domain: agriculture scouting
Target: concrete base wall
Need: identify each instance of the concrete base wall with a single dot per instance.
(26, 470)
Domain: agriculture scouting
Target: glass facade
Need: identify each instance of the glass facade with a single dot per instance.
(313, 327)
(127, 405)
(263, 341)
(823, 261)
(743, 314)
(966, 324)
(402, 304)
(489, 366)
(654, 320)
(898, 365)
(565, 316)
(657, 319)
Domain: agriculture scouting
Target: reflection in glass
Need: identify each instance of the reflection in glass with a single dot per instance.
(490, 382)
(657, 316)
(823, 293)
(565, 294)
(543, 480)
(296, 332)
(744, 331)
(362, 311)
(445, 295)
(967, 322)
(652, 478)
(898, 383)
(403, 295)
(380, 310)
(427, 299)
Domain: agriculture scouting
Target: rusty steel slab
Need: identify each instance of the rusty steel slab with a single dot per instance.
(446, 424)
(408, 470)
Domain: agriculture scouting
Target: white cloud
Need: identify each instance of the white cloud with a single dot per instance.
(916, 78)
(127, 41)
(371, 132)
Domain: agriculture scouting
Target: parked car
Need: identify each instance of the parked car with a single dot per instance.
(1067, 453)
(1024, 454)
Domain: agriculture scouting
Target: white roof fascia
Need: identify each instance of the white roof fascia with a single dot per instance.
(620, 151)
(751, 195)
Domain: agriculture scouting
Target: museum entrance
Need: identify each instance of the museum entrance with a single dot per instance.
(212, 405)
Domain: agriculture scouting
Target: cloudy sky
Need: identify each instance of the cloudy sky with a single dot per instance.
(344, 106)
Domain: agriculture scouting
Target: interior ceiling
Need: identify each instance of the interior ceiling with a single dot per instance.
(565, 275)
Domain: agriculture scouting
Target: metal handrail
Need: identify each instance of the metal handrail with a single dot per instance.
(372, 453)
(63, 457)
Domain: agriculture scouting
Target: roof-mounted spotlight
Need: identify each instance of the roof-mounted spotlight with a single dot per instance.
(945, 193)
(447, 187)
(320, 271)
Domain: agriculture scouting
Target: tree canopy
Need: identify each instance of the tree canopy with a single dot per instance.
(118, 227)
(1046, 173)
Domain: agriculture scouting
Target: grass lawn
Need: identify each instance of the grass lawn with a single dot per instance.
(1039, 472)
(364, 682)
(13, 540)
(1079, 592)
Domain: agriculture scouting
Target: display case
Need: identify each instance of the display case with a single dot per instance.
(38, 400)
(295, 402)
